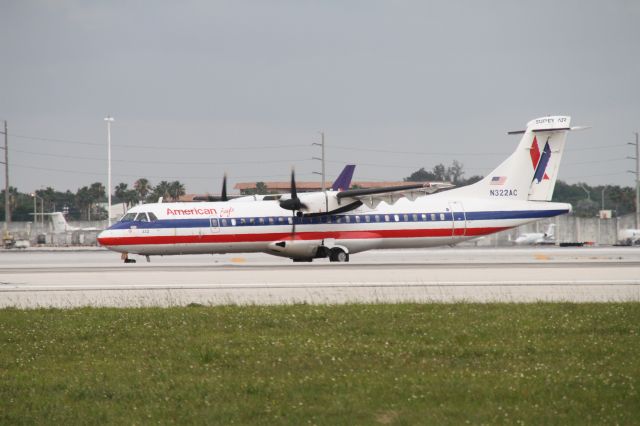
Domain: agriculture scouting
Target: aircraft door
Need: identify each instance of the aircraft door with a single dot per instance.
(214, 225)
(459, 219)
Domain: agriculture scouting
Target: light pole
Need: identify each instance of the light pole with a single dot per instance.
(35, 209)
(108, 119)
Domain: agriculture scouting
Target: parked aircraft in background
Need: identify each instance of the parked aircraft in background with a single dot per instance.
(537, 238)
(337, 224)
(342, 182)
(59, 224)
(629, 237)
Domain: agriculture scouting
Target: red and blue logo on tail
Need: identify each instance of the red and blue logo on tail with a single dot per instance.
(540, 160)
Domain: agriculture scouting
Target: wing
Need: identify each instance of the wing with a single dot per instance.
(373, 196)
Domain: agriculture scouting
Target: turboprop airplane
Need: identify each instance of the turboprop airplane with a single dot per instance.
(337, 224)
(537, 238)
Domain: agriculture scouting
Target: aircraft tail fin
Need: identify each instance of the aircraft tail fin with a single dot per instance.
(59, 222)
(530, 173)
(550, 230)
(343, 181)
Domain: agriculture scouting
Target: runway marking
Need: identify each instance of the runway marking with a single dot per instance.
(311, 286)
(120, 268)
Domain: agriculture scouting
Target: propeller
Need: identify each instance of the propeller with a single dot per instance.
(293, 203)
(223, 194)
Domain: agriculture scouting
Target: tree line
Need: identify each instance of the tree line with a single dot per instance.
(586, 200)
(84, 204)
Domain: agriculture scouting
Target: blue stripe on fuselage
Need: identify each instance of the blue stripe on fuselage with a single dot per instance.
(332, 219)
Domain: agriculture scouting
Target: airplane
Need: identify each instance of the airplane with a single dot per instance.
(338, 224)
(629, 237)
(537, 238)
(60, 225)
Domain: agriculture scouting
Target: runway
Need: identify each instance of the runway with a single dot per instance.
(67, 278)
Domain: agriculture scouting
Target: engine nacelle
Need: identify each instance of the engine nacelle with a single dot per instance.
(319, 202)
(295, 249)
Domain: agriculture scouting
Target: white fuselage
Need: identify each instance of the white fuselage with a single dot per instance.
(226, 227)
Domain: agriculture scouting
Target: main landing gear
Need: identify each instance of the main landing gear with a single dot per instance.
(338, 255)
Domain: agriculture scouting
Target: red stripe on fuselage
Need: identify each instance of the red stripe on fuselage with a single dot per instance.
(338, 235)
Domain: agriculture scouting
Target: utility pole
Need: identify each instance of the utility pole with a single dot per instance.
(637, 173)
(322, 159)
(7, 205)
(109, 120)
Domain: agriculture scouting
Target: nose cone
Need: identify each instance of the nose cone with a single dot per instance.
(102, 238)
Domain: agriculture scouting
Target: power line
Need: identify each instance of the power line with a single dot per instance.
(206, 163)
(172, 148)
(22, 166)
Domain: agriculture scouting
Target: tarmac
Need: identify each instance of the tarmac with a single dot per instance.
(69, 278)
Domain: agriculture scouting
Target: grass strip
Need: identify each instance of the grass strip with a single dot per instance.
(545, 363)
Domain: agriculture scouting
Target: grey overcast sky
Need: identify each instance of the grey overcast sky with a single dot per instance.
(202, 87)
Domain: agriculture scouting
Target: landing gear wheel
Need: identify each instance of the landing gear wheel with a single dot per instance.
(338, 255)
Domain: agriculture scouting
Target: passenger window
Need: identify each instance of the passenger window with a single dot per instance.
(233, 222)
(386, 218)
(424, 217)
(357, 219)
(396, 217)
(261, 220)
(243, 221)
(347, 219)
(290, 220)
(415, 217)
(142, 217)
(271, 221)
(214, 222)
(433, 216)
(405, 217)
(441, 216)
(377, 218)
(224, 222)
(367, 218)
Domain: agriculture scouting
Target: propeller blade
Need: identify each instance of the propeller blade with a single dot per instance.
(223, 195)
(294, 202)
(294, 192)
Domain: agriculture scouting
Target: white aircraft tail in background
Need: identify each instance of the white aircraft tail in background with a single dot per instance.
(59, 224)
(537, 238)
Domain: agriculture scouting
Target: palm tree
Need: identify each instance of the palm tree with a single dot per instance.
(143, 188)
(120, 191)
(161, 190)
(176, 189)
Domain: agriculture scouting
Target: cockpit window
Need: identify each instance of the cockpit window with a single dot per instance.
(152, 217)
(128, 217)
(142, 217)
